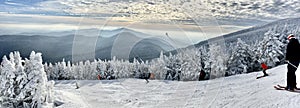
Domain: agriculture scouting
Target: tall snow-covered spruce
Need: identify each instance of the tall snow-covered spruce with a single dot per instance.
(270, 49)
(7, 83)
(25, 86)
(217, 59)
(37, 81)
(241, 59)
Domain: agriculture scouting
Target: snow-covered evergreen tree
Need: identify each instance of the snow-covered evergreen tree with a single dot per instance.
(36, 89)
(7, 83)
(80, 71)
(69, 71)
(21, 80)
(23, 87)
(64, 72)
(191, 63)
(158, 66)
(94, 71)
(241, 59)
(217, 59)
(270, 49)
(205, 60)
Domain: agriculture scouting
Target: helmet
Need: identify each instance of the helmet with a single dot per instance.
(291, 36)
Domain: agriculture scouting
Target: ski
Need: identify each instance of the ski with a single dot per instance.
(260, 77)
(278, 87)
(283, 88)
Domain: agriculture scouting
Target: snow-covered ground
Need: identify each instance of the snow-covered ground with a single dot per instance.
(237, 91)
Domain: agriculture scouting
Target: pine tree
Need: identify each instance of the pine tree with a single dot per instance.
(217, 60)
(50, 72)
(21, 80)
(69, 71)
(205, 63)
(190, 63)
(241, 59)
(64, 72)
(36, 87)
(270, 49)
(7, 82)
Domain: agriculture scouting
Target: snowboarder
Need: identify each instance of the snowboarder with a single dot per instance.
(202, 75)
(293, 59)
(264, 67)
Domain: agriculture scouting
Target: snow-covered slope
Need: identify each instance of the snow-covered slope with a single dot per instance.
(237, 91)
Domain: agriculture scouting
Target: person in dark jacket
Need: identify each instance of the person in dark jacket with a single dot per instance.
(293, 59)
(202, 75)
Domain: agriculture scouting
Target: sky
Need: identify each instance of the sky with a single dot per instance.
(193, 19)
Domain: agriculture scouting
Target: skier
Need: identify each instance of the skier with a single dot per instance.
(169, 73)
(147, 76)
(264, 67)
(144, 74)
(202, 75)
(293, 59)
(99, 77)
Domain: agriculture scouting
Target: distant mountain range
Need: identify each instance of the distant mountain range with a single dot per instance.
(109, 43)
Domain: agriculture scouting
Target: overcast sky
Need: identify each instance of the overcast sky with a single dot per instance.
(197, 19)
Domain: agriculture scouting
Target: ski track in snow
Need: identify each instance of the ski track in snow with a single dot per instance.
(237, 91)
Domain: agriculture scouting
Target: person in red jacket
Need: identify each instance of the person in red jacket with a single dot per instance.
(264, 67)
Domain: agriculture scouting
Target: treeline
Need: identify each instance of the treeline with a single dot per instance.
(214, 59)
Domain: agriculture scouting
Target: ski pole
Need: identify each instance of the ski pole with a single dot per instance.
(292, 64)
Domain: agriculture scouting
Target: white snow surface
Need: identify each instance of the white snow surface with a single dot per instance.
(237, 91)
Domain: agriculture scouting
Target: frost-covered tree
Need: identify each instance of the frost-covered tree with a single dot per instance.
(64, 73)
(23, 87)
(93, 70)
(190, 63)
(217, 60)
(7, 83)
(241, 59)
(21, 80)
(69, 71)
(171, 67)
(158, 66)
(46, 68)
(36, 89)
(270, 49)
(80, 71)
(205, 64)
(125, 69)
(50, 71)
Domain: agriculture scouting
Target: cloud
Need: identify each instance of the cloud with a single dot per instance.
(230, 15)
(159, 11)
